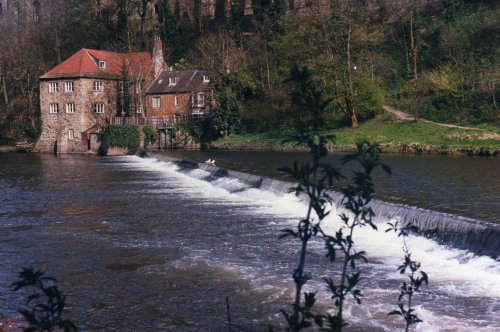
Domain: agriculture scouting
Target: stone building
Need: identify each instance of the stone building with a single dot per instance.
(93, 88)
(179, 95)
(83, 93)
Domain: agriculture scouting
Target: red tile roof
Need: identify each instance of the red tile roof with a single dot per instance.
(85, 63)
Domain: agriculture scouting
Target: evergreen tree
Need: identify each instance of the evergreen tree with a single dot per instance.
(169, 32)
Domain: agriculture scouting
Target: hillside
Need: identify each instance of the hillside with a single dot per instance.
(392, 137)
(435, 59)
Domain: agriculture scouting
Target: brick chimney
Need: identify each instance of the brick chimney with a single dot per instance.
(159, 63)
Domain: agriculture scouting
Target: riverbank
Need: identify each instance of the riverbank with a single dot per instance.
(7, 148)
(411, 137)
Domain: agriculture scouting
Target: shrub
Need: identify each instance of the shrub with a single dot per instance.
(150, 136)
(126, 136)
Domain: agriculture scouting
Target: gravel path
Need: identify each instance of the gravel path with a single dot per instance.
(405, 116)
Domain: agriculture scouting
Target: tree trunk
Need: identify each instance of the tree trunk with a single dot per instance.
(4, 91)
(351, 111)
(413, 48)
(349, 98)
(407, 60)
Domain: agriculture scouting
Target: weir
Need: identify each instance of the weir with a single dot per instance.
(477, 236)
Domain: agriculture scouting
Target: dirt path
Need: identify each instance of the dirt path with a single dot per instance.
(405, 116)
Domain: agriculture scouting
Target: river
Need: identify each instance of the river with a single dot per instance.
(140, 245)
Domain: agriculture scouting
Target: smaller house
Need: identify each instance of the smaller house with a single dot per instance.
(179, 95)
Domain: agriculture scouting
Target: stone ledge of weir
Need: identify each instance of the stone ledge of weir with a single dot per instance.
(478, 236)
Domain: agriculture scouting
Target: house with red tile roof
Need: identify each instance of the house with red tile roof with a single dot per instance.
(86, 91)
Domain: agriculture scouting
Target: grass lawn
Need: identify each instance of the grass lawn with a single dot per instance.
(393, 135)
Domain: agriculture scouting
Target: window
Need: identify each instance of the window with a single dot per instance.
(138, 88)
(206, 79)
(200, 100)
(53, 87)
(176, 100)
(98, 86)
(1, 9)
(71, 134)
(70, 108)
(172, 80)
(99, 108)
(139, 109)
(102, 64)
(53, 108)
(69, 87)
(156, 102)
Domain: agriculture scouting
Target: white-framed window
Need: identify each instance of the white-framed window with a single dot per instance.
(206, 79)
(98, 86)
(71, 134)
(156, 102)
(53, 108)
(102, 64)
(172, 80)
(138, 109)
(99, 108)
(69, 87)
(176, 100)
(138, 88)
(200, 100)
(53, 87)
(70, 108)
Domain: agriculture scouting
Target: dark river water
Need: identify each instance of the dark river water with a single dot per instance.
(140, 246)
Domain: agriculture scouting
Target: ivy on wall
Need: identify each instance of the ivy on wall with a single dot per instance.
(126, 136)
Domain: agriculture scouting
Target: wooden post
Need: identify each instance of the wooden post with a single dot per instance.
(166, 139)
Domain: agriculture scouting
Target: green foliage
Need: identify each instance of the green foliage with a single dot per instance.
(457, 60)
(169, 31)
(150, 136)
(225, 118)
(392, 136)
(459, 64)
(314, 179)
(370, 99)
(195, 129)
(120, 135)
(46, 302)
(416, 277)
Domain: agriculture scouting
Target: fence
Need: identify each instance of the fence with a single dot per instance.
(156, 121)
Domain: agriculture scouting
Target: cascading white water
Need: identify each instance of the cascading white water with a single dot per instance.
(464, 294)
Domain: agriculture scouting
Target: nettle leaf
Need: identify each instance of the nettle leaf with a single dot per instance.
(395, 312)
(288, 232)
(309, 299)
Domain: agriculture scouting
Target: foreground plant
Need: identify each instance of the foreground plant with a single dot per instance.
(358, 194)
(46, 302)
(416, 277)
(314, 179)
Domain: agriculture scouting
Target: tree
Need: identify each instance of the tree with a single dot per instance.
(169, 31)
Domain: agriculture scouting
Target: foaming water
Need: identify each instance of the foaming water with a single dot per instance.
(456, 276)
(143, 244)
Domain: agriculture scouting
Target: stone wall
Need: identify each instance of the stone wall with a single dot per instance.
(57, 126)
